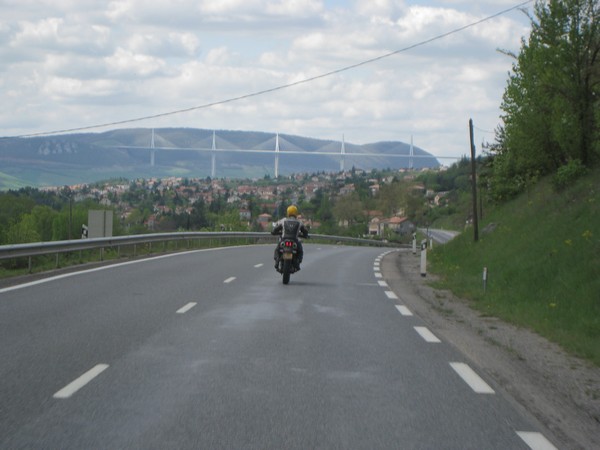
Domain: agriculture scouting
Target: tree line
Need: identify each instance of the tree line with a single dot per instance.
(551, 102)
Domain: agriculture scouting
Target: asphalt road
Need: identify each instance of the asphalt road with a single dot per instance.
(208, 349)
(440, 236)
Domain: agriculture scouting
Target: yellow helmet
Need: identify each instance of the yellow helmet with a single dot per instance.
(292, 211)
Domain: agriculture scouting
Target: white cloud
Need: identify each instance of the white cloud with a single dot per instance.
(257, 8)
(70, 88)
(218, 56)
(126, 62)
(381, 10)
(170, 44)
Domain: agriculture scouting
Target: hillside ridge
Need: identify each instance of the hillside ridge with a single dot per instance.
(126, 153)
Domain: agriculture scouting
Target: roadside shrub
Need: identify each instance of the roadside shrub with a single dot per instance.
(567, 174)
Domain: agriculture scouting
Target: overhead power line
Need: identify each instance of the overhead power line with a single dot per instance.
(484, 131)
(289, 85)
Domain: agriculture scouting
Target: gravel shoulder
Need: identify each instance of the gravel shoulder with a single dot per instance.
(559, 391)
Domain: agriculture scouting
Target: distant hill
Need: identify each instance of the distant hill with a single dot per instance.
(88, 157)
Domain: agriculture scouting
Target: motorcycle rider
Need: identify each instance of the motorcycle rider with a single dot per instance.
(290, 227)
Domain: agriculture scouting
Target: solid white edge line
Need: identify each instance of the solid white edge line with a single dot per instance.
(536, 441)
(112, 266)
(427, 335)
(404, 310)
(186, 308)
(382, 283)
(469, 376)
(80, 382)
(391, 295)
(229, 280)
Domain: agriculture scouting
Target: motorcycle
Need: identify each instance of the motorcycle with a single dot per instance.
(287, 258)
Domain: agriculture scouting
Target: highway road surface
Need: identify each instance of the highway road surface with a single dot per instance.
(209, 350)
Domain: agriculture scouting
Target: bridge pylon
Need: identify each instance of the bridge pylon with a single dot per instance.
(412, 154)
(343, 156)
(277, 156)
(213, 162)
(152, 150)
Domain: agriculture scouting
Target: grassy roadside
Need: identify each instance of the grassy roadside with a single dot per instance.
(542, 253)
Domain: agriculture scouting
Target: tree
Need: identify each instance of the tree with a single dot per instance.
(323, 211)
(43, 217)
(12, 207)
(134, 222)
(349, 209)
(392, 197)
(23, 231)
(198, 217)
(68, 222)
(551, 103)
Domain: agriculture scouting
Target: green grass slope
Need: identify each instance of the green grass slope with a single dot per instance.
(542, 252)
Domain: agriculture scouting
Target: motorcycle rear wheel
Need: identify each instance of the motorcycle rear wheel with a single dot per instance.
(287, 269)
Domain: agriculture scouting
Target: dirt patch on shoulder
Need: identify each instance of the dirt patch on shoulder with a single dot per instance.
(561, 392)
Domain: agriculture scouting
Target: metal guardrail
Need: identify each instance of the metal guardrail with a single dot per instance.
(56, 247)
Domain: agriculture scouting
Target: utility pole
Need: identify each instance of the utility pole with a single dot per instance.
(474, 184)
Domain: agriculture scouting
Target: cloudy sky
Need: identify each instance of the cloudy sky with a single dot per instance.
(67, 64)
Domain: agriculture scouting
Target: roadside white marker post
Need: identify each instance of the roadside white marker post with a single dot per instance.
(485, 273)
(424, 258)
(414, 244)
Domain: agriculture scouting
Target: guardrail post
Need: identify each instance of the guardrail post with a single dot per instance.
(56, 265)
(29, 265)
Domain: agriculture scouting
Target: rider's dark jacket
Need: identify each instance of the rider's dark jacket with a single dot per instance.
(290, 228)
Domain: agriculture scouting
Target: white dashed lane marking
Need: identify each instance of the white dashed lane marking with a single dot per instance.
(427, 335)
(186, 308)
(258, 265)
(229, 280)
(403, 310)
(391, 295)
(536, 441)
(471, 378)
(382, 283)
(80, 382)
